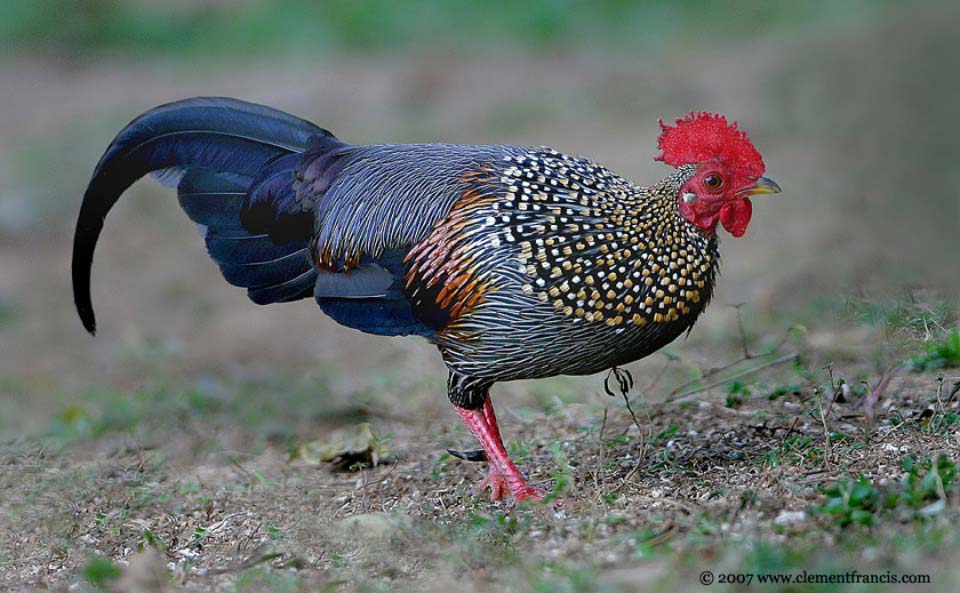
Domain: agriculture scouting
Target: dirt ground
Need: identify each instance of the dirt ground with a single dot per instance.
(206, 485)
(175, 451)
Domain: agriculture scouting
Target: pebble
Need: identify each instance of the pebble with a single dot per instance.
(374, 526)
(790, 518)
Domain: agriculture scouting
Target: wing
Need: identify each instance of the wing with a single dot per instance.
(381, 203)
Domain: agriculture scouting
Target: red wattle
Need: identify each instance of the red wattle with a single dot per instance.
(735, 216)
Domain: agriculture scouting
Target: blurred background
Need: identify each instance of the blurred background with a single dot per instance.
(853, 105)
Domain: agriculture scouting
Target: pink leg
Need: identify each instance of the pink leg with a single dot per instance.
(494, 480)
(488, 436)
(491, 418)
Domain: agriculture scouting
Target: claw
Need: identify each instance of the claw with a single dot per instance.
(529, 493)
(500, 488)
(495, 482)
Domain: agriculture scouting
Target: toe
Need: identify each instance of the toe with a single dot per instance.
(529, 493)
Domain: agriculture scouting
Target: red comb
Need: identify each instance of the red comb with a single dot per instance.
(704, 137)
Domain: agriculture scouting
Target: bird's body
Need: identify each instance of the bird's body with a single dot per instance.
(572, 269)
(517, 263)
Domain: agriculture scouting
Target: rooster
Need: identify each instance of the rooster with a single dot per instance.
(517, 263)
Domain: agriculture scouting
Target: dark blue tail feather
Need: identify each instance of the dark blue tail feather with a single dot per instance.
(270, 208)
(294, 289)
(214, 199)
(246, 259)
(244, 174)
(229, 139)
(251, 249)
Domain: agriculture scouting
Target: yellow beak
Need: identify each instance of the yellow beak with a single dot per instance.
(763, 185)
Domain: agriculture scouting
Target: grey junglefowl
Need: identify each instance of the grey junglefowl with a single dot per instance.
(518, 263)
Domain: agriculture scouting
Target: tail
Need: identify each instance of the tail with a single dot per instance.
(217, 152)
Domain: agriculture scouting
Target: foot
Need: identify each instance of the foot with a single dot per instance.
(500, 488)
(528, 492)
(503, 474)
(495, 482)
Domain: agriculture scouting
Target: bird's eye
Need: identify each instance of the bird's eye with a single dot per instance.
(713, 181)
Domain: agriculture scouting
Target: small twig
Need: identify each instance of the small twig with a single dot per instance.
(242, 544)
(382, 478)
(953, 392)
(743, 332)
(836, 388)
(663, 536)
(633, 415)
(625, 383)
(711, 373)
(779, 345)
(364, 495)
(940, 393)
(598, 471)
(262, 555)
(828, 449)
(740, 375)
(236, 463)
(793, 425)
(630, 474)
(874, 396)
(603, 425)
(717, 370)
(636, 422)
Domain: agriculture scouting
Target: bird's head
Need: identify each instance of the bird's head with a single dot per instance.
(728, 169)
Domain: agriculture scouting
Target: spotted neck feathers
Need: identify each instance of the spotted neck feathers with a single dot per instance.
(599, 248)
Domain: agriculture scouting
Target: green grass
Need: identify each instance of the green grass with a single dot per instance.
(910, 315)
(794, 449)
(272, 28)
(100, 572)
(938, 354)
(920, 494)
(737, 391)
(9, 314)
(560, 577)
